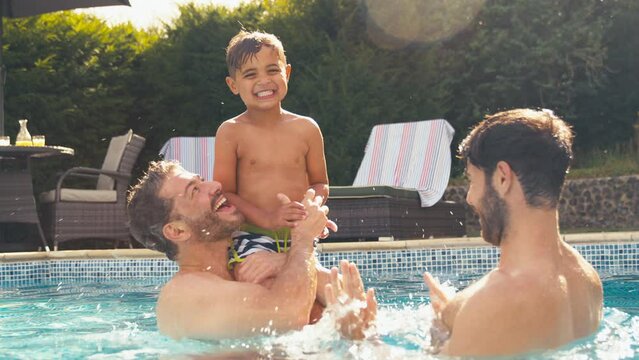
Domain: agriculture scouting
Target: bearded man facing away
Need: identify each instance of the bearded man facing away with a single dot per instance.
(543, 293)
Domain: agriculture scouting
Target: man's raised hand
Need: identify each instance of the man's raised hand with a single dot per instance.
(353, 322)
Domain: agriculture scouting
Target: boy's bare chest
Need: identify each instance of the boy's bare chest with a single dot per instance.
(261, 149)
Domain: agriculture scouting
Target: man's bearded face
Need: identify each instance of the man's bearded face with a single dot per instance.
(210, 227)
(493, 216)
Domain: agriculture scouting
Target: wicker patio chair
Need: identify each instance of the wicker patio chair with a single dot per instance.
(195, 154)
(98, 213)
(398, 188)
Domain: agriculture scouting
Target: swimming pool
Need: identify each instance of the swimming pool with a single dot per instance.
(116, 319)
(104, 308)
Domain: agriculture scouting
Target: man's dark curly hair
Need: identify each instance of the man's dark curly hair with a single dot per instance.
(148, 212)
(535, 143)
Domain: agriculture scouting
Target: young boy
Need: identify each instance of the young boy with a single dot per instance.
(265, 158)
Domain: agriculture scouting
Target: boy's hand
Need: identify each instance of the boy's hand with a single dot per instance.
(315, 221)
(259, 267)
(288, 214)
(330, 225)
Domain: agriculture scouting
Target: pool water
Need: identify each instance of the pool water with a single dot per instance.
(116, 320)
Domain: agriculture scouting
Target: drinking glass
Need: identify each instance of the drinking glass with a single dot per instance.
(38, 140)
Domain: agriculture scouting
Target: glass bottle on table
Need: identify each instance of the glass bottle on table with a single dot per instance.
(23, 138)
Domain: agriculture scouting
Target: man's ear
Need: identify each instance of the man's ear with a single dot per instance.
(230, 82)
(503, 178)
(288, 72)
(176, 231)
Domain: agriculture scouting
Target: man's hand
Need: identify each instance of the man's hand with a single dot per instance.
(439, 299)
(438, 296)
(353, 319)
(288, 214)
(259, 266)
(315, 221)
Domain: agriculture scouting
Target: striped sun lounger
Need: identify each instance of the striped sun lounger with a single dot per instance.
(196, 154)
(411, 155)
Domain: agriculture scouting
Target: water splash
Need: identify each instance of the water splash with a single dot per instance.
(400, 333)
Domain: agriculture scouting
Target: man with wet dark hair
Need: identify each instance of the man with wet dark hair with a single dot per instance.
(176, 212)
(148, 212)
(543, 293)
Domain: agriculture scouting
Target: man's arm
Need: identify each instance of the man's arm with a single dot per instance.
(354, 322)
(212, 308)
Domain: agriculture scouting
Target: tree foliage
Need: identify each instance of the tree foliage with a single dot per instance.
(71, 76)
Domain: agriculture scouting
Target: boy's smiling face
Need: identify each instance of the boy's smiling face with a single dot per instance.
(262, 81)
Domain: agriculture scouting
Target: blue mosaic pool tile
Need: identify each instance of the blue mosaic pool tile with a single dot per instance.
(23, 273)
(608, 258)
(106, 269)
(461, 260)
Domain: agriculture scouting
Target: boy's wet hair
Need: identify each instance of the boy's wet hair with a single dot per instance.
(148, 212)
(245, 45)
(536, 144)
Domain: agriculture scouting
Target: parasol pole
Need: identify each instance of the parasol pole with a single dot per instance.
(2, 73)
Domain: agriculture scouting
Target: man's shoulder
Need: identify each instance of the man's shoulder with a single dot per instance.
(183, 289)
(190, 283)
(501, 290)
(502, 315)
(503, 299)
(184, 299)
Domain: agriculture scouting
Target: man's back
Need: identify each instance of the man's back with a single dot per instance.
(519, 309)
(585, 292)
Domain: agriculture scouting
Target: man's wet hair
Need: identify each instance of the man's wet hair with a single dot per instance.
(535, 143)
(148, 212)
(245, 45)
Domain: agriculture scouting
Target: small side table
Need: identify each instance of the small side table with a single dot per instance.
(17, 200)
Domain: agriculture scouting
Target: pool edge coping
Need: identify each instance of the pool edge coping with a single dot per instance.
(442, 243)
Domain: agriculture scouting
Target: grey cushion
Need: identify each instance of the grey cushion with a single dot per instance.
(112, 159)
(80, 195)
(353, 192)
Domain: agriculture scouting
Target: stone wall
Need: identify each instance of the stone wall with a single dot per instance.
(603, 203)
